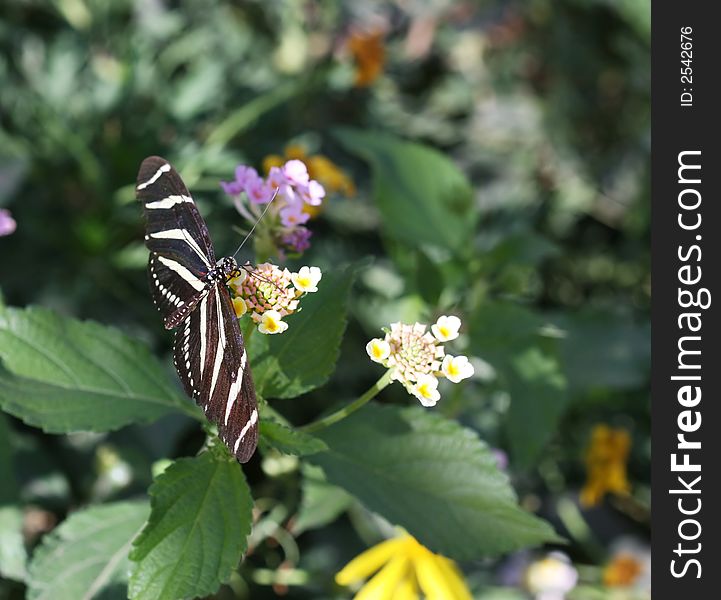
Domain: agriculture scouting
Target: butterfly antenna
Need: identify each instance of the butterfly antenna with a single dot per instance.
(260, 218)
(255, 274)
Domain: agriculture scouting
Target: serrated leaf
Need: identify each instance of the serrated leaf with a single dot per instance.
(289, 440)
(302, 358)
(423, 197)
(87, 555)
(431, 476)
(196, 534)
(13, 555)
(321, 502)
(65, 375)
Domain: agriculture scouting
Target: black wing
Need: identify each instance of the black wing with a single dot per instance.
(211, 360)
(181, 253)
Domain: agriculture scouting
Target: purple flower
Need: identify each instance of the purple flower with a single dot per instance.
(244, 176)
(298, 239)
(232, 188)
(7, 223)
(259, 191)
(277, 178)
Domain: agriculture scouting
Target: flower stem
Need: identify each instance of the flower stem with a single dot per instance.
(342, 413)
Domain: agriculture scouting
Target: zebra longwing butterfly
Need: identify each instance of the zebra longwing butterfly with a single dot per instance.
(189, 288)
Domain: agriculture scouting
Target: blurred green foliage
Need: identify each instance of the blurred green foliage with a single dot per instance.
(502, 163)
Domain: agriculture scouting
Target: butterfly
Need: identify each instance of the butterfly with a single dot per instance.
(189, 287)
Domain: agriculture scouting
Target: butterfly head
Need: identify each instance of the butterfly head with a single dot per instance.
(229, 267)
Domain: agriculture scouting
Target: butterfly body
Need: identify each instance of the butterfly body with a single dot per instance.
(189, 287)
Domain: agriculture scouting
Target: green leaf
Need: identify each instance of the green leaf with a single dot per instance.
(87, 554)
(302, 358)
(509, 336)
(196, 535)
(321, 503)
(13, 555)
(65, 375)
(538, 399)
(423, 197)
(431, 476)
(289, 440)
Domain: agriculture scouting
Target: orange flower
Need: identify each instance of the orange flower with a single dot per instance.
(606, 464)
(369, 53)
(622, 571)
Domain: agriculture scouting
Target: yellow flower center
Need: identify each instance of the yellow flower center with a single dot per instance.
(304, 281)
(424, 390)
(271, 325)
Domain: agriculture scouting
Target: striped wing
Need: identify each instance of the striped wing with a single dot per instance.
(181, 253)
(212, 363)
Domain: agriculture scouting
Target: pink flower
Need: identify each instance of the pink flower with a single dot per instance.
(296, 172)
(292, 215)
(313, 193)
(7, 223)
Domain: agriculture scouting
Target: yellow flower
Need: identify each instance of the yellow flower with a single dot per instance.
(240, 307)
(606, 464)
(404, 569)
(369, 53)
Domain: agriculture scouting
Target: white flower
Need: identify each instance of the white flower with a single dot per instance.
(446, 328)
(456, 368)
(271, 322)
(426, 390)
(378, 350)
(306, 280)
(552, 577)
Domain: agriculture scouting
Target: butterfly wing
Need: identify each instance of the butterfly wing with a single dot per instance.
(181, 253)
(211, 360)
(209, 352)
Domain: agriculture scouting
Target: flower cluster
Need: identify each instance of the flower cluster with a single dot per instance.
(416, 357)
(606, 464)
(321, 168)
(405, 566)
(269, 294)
(291, 189)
